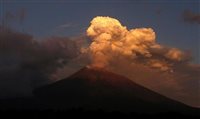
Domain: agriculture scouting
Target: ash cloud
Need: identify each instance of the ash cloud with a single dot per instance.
(26, 63)
(136, 54)
(113, 41)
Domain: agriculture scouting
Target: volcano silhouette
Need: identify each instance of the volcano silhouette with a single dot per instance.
(95, 88)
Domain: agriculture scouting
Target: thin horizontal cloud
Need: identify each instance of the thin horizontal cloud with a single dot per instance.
(191, 17)
(66, 25)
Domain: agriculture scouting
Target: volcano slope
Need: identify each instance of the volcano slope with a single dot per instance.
(96, 88)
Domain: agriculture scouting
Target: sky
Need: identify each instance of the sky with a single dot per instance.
(48, 40)
(46, 18)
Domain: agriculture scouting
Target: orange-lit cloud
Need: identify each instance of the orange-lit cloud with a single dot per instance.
(175, 54)
(111, 40)
(136, 54)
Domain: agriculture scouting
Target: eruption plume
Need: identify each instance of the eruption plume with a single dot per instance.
(113, 41)
(135, 54)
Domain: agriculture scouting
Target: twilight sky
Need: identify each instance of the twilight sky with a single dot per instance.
(176, 23)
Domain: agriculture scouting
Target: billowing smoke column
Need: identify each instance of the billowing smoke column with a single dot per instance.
(112, 41)
(136, 54)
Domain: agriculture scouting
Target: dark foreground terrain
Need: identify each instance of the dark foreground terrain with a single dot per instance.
(92, 114)
(72, 113)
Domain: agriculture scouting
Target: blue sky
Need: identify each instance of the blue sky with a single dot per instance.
(45, 18)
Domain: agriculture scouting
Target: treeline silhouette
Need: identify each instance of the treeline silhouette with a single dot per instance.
(31, 108)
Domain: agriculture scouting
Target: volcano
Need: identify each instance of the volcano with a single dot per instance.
(96, 88)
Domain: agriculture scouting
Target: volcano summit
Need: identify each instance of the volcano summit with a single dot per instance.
(96, 88)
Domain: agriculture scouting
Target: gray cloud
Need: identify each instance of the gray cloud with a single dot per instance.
(26, 63)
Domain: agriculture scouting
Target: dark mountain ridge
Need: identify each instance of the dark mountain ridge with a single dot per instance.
(96, 88)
